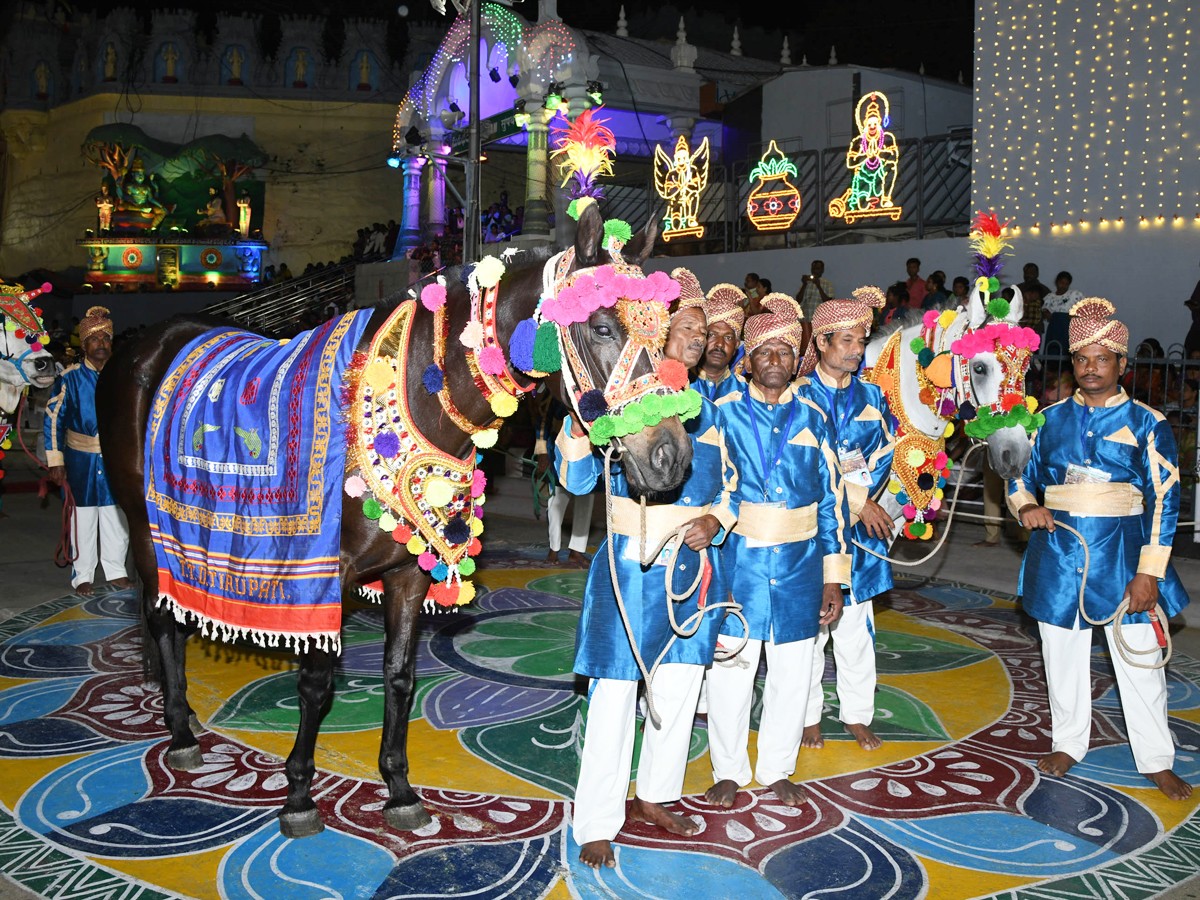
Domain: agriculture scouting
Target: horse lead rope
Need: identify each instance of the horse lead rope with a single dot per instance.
(692, 622)
(1123, 648)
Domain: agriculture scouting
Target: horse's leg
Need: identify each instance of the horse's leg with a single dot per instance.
(404, 592)
(299, 816)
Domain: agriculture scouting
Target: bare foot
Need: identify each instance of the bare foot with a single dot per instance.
(812, 738)
(577, 560)
(85, 589)
(789, 794)
(551, 558)
(1056, 763)
(597, 854)
(121, 583)
(722, 794)
(656, 814)
(1171, 784)
(865, 736)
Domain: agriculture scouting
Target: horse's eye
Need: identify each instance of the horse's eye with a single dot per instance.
(602, 331)
(979, 369)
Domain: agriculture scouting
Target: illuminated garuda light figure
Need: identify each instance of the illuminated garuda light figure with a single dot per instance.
(680, 181)
(874, 159)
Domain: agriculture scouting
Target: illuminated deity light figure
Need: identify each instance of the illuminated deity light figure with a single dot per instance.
(135, 197)
(680, 181)
(874, 158)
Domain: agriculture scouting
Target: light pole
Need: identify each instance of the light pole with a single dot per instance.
(471, 225)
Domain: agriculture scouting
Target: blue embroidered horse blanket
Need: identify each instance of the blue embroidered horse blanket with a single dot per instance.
(245, 459)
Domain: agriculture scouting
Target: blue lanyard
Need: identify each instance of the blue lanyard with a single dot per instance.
(762, 455)
(839, 425)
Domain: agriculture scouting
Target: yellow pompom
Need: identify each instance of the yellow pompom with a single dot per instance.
(485, 439)
(438, 492)
(893, 486)
(981, 284)
(504, 405)
(949, 429)
(1031, 403)
(480, 500)
(488, 271)
(388, 522)
(476, 527)
(466, 593)
(915, 457)
(939, 494)
(947, 316)
(379, 374)
(415, 545)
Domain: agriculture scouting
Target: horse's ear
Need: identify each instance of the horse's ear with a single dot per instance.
(975, 309)
(1016, 307)
(589, 236)
(641, 245)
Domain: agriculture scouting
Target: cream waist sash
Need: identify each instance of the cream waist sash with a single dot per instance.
(1112, 499)
(772, 524)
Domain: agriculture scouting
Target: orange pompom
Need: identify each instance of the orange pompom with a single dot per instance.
(939, 371)
(673, 374)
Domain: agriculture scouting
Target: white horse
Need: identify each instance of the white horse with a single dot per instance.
(984, 374)
(24, 360)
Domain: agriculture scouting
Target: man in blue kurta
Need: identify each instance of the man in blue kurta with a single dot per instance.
(1107, 466)
(73, 455)
(787, 559)
(864, 442)
(602, 647)
(723, 309)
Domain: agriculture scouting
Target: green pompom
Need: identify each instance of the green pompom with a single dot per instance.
(652, 405)
(634, 414)
(546, 357)
(917, 344)
(917, 529)
(619, 229)
(573, 209)
(998, 308)
(466, 568)
(603, 430)
(993, 285)
(371, 508)
(925, 357)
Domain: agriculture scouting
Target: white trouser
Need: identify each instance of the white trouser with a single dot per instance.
(1143, 694)
(854, 654)
(581, 521)
(607, 759)
(104, 525)
(785, 698)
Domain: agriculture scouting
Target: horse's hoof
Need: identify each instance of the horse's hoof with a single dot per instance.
(406, 818)
(189, 759)
(300, 824)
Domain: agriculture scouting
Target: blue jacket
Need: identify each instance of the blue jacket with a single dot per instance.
(72, 436)
(715, 390)
(790, 537)
(602, 647)
(1134, 445)
(864, 426)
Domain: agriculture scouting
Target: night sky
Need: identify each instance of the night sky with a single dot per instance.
(898, 34)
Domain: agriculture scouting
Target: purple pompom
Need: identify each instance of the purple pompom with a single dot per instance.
(966, 412)
(947, 408)
(433, 379)
(520, 346)
(592, 405)
(387, 444)
(457, 532)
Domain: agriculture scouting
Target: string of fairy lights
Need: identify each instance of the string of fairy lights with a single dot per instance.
(1083, 114)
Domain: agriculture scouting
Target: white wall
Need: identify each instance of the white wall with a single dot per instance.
(1148, 286)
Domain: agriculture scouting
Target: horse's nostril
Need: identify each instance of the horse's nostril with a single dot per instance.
(663, 455)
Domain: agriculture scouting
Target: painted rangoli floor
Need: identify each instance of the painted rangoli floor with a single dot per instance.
(951, 806)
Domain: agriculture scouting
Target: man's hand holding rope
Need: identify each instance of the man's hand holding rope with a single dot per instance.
(701, 531)
(876, 520)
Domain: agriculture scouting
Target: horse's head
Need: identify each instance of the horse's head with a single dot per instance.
(994, 355)
(24, 359)
(612, 322)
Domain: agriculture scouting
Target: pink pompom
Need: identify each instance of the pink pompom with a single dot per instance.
(939, 461)
(478, 511)
(36, 346)
(478, 483)
(491, 361)
(910, 511)
(930, 318)
(427, 561)
(355, 486)
(433, 296)
(935, 504)
(472, 335)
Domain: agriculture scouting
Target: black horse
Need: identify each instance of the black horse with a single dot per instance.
(655, 460)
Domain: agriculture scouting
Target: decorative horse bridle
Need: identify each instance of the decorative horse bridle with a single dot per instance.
(21, 322)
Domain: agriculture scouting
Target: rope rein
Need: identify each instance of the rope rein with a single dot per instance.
(68, 538)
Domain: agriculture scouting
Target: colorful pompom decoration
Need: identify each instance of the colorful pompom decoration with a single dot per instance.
(466, 568)
(486, 438)
(673, 374)
(491, 360)
(472, 335)
(546, 355)
(387, 445)
(478, 483)
(433, 296)
(503, 405)
(371, 508)
(355, 486)
(998, 308)
(488, 271)
(457, 532)
(520, 346)
(592, 405)
(433, 378)
(427, 561)
(438, 492)
(439, 572)
(966, 411)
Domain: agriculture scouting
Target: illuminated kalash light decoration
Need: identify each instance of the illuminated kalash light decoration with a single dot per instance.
(874, 158)
(680, 180)
(774, 202)
(1095, 138)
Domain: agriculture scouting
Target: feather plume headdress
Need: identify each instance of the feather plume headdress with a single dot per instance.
(584, 152)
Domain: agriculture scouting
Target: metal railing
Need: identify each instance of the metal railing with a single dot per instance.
(282, 307)
(933, 189)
